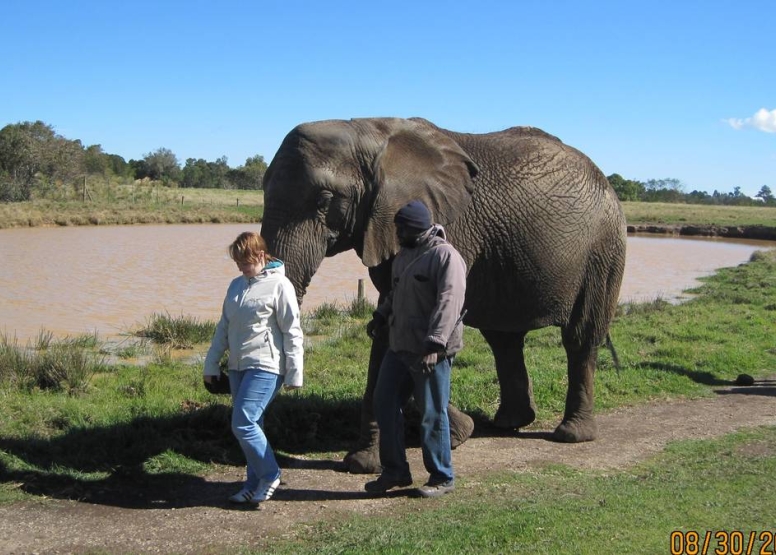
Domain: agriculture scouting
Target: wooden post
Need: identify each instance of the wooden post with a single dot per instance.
(181, 200)
(361, 289)
(238, 203)
(83, 193)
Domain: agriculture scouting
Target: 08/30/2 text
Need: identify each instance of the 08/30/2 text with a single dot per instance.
(721, 542)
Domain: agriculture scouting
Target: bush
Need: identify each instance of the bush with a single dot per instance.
(182, 332)
(66, 365)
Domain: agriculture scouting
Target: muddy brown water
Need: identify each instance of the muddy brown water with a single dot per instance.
(110, 279)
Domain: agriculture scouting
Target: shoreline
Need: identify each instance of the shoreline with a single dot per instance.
(761, 232)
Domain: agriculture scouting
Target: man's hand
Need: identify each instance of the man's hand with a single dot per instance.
(433, 354)
(375, 325)
(428, 363)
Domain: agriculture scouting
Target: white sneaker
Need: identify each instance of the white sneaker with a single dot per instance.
(245, 495)
(265, 490)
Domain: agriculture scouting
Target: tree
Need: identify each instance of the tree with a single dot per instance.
(201, 173)
(96, 161)
(32, 153)
(667, 184)
(766, 195)
(162, 165)
(663, 190)
(139, 169)
(254, 168)
(699, 197)
(119, 166)
(625, 189)
(250, 175)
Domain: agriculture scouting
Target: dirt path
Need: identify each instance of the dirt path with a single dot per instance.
(194, 518)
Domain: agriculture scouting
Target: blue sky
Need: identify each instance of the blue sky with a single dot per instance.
(649, 90)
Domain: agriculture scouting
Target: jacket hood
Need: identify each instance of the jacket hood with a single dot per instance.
(434, 232)
(274, 267)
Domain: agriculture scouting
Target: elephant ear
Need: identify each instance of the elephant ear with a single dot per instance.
(417, 161)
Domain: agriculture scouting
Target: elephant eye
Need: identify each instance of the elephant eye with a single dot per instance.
(324, 200)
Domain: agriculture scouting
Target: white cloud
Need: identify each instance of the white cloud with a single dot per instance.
(763, 120)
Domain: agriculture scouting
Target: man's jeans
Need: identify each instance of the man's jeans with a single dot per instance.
(394, 385)
(252, 392)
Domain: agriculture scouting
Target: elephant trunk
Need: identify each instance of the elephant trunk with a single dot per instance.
(299, 247)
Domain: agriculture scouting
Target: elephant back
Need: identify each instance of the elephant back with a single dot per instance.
(544, 229)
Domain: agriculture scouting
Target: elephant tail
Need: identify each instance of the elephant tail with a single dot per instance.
(615, 358)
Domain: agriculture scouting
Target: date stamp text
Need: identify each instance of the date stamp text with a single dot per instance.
(721, 542)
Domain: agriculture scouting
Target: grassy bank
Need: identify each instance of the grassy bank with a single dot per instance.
(155, 424)
(661, 213)
(147, 203)
(135, 204)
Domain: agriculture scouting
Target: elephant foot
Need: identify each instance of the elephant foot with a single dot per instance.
(514, 417)
(363, 461)
(576, 431)
(461, 426)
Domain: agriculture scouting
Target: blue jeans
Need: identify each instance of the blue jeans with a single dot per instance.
(252, 392)
(395, 383)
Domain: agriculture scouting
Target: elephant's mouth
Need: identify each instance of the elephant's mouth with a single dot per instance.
(332, 237)
(337, 243)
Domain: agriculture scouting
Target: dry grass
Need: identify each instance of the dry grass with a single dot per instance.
(698, 214)
(137, 204)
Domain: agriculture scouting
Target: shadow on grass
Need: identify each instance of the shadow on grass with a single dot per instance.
(114, 465)
(705, 378)
(125, 465)
(761, 386)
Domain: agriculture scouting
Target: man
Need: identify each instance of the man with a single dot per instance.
(423, 314)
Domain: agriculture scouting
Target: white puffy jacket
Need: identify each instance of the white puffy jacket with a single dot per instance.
(260, 327)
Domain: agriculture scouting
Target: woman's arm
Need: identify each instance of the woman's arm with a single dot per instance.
(289, 321)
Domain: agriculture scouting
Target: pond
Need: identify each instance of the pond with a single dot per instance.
(110, 279)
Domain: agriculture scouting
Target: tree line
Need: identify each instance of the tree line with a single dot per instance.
(36, 159)
(672, 190)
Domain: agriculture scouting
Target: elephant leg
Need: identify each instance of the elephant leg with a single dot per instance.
(517, 408)
(364, 458)
(578, 421)
(461, 426)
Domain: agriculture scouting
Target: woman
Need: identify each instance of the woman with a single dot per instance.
(260, 327)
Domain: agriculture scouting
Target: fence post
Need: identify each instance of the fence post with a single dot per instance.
(238, 203)
(361, 289)
(181, 200)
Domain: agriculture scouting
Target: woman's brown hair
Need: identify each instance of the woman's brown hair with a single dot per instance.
(247, 248)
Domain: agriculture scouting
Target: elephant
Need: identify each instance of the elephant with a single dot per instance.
(540, 229)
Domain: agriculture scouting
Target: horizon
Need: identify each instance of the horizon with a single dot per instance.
(661, 91)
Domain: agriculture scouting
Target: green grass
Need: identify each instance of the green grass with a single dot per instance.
(694, 485)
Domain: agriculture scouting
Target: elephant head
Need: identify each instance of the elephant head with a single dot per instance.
(336, 185)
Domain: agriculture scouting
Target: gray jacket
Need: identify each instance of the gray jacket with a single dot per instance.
(428, 285)
(260, 327)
